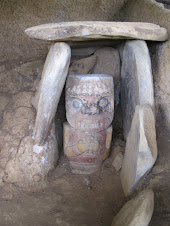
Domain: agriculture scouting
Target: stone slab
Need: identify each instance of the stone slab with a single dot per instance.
(84, 51)
(90, 30)
(82, 66)
(136, 81)
(141, 148)
(136, 212)
(52, 82)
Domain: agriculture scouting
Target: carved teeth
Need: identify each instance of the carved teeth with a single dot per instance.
(84, 91)
(78, 90)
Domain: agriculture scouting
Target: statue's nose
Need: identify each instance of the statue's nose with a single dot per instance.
(94, 110)
(90, 109)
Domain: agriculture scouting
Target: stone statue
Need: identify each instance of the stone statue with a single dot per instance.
(89, 111)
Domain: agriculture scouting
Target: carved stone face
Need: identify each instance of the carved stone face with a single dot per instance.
(89, 101)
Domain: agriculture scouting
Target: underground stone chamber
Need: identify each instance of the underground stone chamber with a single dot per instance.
(52, 190)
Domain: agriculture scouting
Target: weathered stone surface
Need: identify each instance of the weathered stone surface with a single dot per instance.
(89, 111)
(22, 162)
(30, 163)
(89, 101)
(82, 66)
(83, 52)
(4, 100)
(108, 62)
(88, 30)
(136, 212)
(85, 150)
(120, 48)
(137, 81)
(52, 83)
(141, 148)
(118, 161)
(164, 3)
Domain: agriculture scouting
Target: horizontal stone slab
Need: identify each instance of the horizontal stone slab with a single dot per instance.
(92, 30)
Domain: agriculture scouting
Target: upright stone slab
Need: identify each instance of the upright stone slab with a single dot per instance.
(137, 81)
(141, 148)
(136, 212)
(53, 78)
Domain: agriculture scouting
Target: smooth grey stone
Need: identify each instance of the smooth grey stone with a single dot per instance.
(141, 148)
(136, 212)
(136, 81)
(51, 85)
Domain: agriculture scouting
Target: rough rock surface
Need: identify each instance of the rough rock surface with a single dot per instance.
(35, 161)
(52, 82)
(164, 3)
(118, 161)
(21, 161)
(89, 30)
(141, 148)
(82, 66)
(108, 62)
(83, 52)
(136, 212)
(137, 81)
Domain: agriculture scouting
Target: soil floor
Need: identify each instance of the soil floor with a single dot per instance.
(85, 200)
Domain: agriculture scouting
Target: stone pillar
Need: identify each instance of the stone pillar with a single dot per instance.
(89, 111)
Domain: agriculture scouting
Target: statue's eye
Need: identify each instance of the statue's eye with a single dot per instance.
(77, 104)
(103, 102)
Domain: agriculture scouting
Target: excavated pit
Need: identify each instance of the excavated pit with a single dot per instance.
(66, 198)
